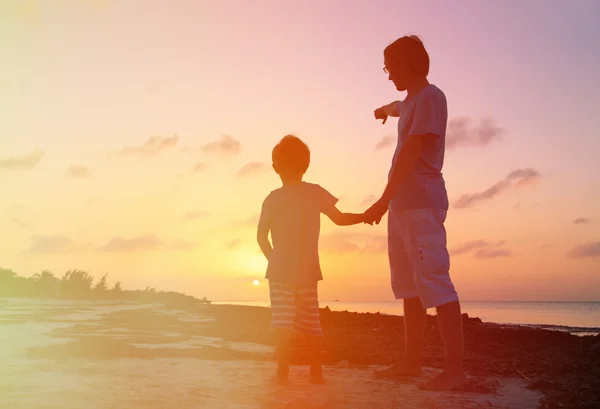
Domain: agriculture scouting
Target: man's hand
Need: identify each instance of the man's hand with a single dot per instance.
(380, 113)
(376, 211)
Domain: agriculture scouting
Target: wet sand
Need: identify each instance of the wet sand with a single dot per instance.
(118, 355)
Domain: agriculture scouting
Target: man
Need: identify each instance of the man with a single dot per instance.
(417, 201)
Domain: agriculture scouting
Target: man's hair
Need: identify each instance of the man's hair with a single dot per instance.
(291, 155)
(410, 49)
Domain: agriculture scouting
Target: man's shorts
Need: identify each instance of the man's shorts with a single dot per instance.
(419, 260)
(295, 308)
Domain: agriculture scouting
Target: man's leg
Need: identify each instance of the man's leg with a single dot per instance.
(404, 287)
(450, 324)
(437, 290)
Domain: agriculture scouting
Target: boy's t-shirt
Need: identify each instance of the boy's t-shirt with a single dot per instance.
(293, 215)
(424, 114)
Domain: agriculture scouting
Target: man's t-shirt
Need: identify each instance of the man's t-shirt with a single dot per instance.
(424, 114)
(293, 215)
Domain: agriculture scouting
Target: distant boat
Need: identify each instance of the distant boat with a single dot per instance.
(336, 300)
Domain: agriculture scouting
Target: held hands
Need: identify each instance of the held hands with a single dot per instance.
(381, 114)
(376, 211)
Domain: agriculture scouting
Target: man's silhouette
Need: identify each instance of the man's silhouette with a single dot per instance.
(417, 201)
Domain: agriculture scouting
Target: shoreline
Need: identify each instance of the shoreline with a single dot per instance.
(565, 368)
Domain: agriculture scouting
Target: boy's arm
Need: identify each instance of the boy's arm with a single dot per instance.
(264, 243)
(262, 232)
(343, 219)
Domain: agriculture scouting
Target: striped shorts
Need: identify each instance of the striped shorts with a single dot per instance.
(295, 308)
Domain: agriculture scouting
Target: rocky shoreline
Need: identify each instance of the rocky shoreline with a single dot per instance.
(564, 367)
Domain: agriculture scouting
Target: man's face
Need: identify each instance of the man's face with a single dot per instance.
(397, 73)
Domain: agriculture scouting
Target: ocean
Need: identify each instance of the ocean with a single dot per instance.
(582, 318)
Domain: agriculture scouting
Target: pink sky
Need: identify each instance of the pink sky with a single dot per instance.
(86, 85)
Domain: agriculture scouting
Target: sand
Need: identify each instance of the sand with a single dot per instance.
(115, 355)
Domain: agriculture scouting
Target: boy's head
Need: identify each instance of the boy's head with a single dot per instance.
(406, 60)
(291, 157)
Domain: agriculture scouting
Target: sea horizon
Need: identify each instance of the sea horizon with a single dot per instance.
(577, 317)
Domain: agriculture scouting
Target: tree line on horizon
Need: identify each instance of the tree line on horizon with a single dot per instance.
(79, 284)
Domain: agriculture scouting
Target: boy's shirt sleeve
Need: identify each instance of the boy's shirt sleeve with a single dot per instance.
(326, 200)
(430, 116)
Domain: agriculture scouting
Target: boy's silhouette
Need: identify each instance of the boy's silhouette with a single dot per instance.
(292, 215)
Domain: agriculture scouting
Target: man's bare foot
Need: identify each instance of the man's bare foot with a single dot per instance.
(399, 369)
(316, 375)
(445, 381)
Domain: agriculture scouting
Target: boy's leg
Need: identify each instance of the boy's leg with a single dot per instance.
(282, 353)
(282, 303)
(308, 321)
(315, 350)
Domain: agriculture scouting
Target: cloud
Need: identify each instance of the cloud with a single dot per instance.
(481, 249)
(581, 220)
(492, 253)
(518, 177)
(120, 244)
(251, 168)
(225, 145)
(94, 201)
(233, 244)
(182, 244)
(24, 162)
(524, 176)
(250, 221)
(143, 243)
(352, 243)
(468, 246)
(369, 200)
(196, 214)
(57, 244)
(385, 142)
(153, 146)
(20, 222)
(585, 250)
(200, 167)
(461, 132)
(79, 171)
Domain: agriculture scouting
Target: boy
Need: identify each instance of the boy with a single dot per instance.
(292, 214)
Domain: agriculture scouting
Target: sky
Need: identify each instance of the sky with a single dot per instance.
(135, 139)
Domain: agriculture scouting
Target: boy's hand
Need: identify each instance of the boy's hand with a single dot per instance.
(366, 220)
(381, 114)
(377, 210)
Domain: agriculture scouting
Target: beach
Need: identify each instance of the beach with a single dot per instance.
(114, 354)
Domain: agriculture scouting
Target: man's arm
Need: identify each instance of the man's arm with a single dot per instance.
(409, 152)
(391, 109)
(344, 219)
(405, 162)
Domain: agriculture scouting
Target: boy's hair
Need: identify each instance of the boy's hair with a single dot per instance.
(291, 156)
(410, 49)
